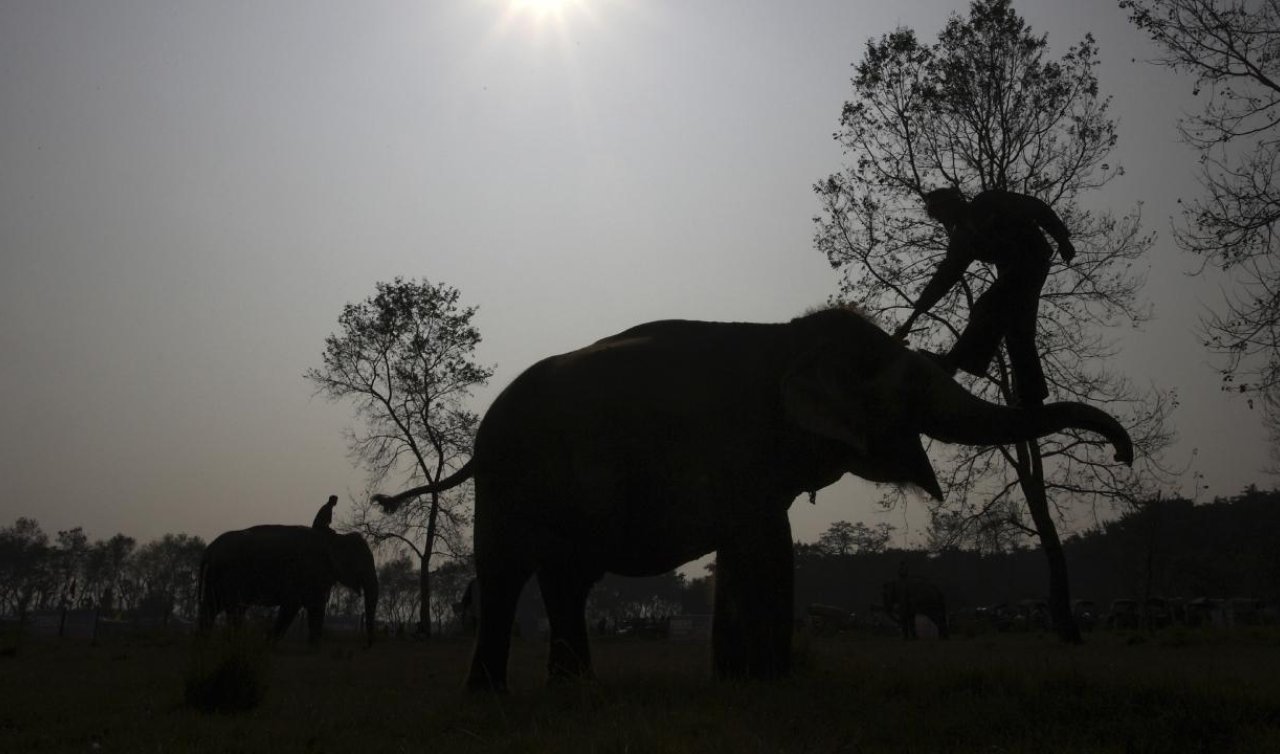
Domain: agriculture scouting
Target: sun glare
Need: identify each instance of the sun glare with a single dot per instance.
(542, 8)
(540, 21)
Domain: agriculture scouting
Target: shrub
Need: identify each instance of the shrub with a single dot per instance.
(227, 673)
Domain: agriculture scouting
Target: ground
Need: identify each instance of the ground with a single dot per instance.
(1174, 691)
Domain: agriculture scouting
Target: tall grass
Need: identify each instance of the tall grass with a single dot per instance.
(227, 671)
(1193, 692)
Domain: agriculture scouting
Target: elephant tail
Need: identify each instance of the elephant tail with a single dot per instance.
(392, 503)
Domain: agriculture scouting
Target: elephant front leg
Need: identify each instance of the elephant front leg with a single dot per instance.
(283, 619)
(315, 621)
(751, 633)
(207, 614)
(940, 619)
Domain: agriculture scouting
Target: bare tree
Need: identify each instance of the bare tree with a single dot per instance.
(105, 568)
(995, 528)
(24, 566)
(398, 589)
(404, 357)
(167, 571)
(844, 538)
(1232, 49)
(985, 107)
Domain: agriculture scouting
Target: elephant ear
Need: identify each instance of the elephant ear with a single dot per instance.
(819, 400)
(343, 558)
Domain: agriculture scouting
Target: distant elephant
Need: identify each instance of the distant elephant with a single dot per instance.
(658, 445)
(291, 566)
(825, 620)
(905, 598)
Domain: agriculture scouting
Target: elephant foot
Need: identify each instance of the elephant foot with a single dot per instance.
(485, 686)
(568, 661)
(480, 680)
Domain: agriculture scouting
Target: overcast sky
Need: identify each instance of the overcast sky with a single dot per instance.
(190, 191)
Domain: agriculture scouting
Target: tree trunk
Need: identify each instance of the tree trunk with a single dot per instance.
(424, 592)
(424, 576)
(1031, 479)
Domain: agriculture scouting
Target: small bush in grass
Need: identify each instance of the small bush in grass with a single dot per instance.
(227, 673)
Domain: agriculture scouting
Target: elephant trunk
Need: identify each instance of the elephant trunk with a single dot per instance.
(957, 416)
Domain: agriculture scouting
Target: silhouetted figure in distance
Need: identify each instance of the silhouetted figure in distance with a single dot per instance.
(324, 516)
(1002, 228)
(465, 609)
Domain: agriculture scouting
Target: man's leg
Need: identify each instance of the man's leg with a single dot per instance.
(1029, 384)
(978, 342)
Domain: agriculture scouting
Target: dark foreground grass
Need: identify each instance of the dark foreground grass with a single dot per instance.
(227, 671)
(1179, 692)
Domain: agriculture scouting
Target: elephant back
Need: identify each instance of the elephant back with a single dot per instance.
(268, 564)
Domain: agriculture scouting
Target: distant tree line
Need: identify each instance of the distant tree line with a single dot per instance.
(113, 575)
(1168, 548)
(1164, 548)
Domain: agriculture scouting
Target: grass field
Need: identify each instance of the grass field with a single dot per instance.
(1176, 691)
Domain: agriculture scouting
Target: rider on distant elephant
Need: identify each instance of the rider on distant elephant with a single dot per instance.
(324, 516)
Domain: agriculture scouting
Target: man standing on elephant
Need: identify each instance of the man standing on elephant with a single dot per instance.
(1001, 228)
(324, 516)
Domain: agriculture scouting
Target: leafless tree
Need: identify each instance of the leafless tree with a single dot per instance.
(985, 107)
(404, 356)
(1232, 50)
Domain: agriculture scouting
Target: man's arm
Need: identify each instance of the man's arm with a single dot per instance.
(1044, 216)
(949, 272)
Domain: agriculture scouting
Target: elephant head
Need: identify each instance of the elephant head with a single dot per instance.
(353, 567)
(860, 387)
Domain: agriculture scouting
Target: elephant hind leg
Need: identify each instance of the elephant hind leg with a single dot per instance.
(499, 586)
(564, 592)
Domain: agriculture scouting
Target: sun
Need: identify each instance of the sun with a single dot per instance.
(542, 8)
(539, 20)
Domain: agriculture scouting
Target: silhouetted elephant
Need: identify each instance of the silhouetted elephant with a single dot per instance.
(905, 598)
(291, 566)
(825, 620)
(655, 446)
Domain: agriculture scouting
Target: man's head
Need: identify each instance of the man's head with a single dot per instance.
(944, 205)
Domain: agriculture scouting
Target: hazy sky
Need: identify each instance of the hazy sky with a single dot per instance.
(190, 191)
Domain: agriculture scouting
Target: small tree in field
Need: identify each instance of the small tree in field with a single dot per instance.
(985, 107)
(404, 357)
